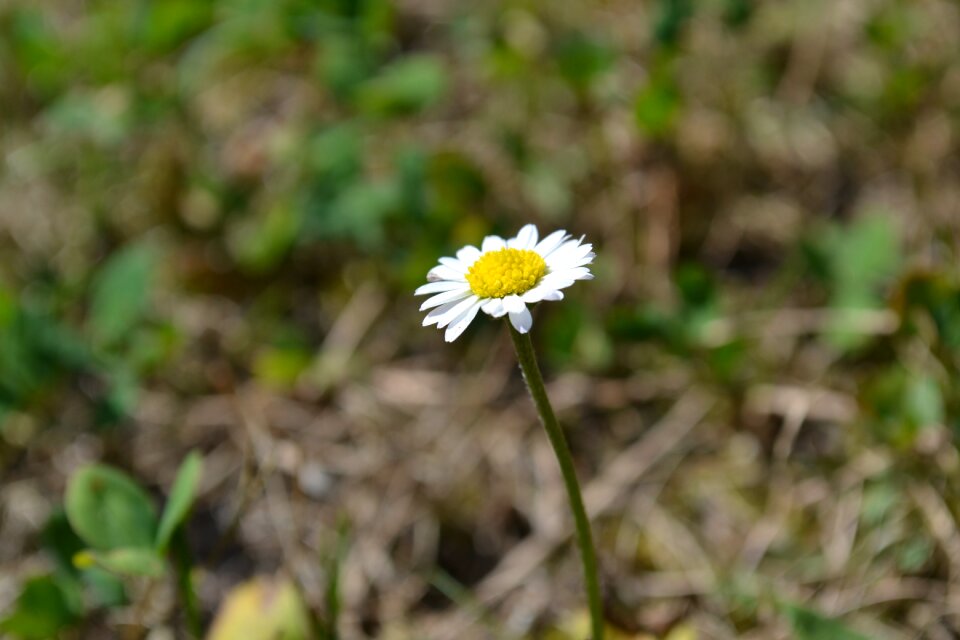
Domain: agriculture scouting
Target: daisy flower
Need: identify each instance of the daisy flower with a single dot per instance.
(502, 277)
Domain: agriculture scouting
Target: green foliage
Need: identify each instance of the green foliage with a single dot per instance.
(914, 554)
(42, 610)
(658, 103)
(404, 87)
(180, 501)
(901, 404)
(128, 561)
(98, 494)
(689, 327)
(120, 293)
(281, 366)
(932, 298)
(99, 118)
(109, 512)
(582, 60)
(62, 544)
(260, 242)
(335, 155)
(333, 597)
(359, 211)
(672, 16)
(856, 262)
(862, 258)
(810, 625)
(163, 26)
(879, 501)
(37, 350)
(38, 50)
(738, 12)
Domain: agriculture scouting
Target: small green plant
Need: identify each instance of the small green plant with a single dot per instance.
(109, 530)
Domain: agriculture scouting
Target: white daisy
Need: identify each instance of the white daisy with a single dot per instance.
(502, 277)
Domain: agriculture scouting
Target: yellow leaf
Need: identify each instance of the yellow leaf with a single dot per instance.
(577, 627)
(262, 609)
(682, 632)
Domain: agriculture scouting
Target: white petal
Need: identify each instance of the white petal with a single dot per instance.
(541, 292)
(522, 321)
(454, 264)
(445, 273)
(567, 252)
(587, 259)
(434, 316)
(492, 243)
(575, 254)
(551, 242)
(468, 255)
(577, 273)
(494, 307)
(455, 312)
(444, 298)
(442, 285)
(513, 304)
(526, 238)
(457, 326)
(555, 281)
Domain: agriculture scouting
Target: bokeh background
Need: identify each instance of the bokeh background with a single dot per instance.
(212, 218)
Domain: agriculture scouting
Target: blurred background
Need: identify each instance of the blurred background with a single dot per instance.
(213, 215)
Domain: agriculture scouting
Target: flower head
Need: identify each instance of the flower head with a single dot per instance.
(502, 277)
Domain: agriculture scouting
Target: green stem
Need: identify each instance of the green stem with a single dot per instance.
(531, 373)
(182, 560)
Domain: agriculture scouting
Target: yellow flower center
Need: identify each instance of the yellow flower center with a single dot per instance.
(505, 272)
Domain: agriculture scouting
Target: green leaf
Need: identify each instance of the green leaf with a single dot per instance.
(165, 25)
(913, 554)
(128, 562)
(37, 50)
(62, 543)
(102, 118)
(359, 212)
(861, 258)
(866, 254)
(738, 13)
(182, 495)
(105, 589)
(42, 610)
(656, 106)
(281, 367)
(810, 625)
(344, 64)
(121, 394)
(923, 402)
(261, 241)
(336, 153)
(407, 86)
(120, 294)
(937, 297)
(879, 501)
(582, 59)
(901, 403)
(108, 510)
(673, 16)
